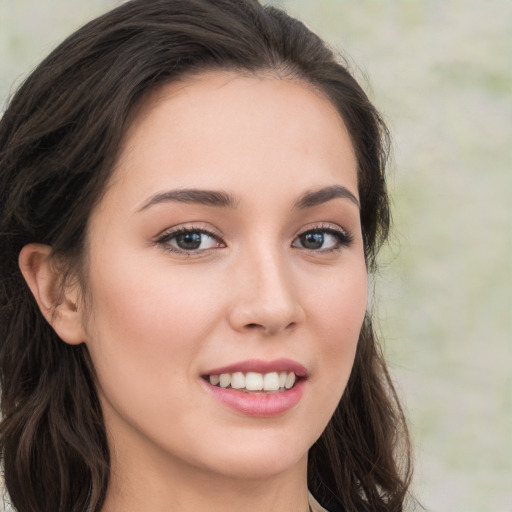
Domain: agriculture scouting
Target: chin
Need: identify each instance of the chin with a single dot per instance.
(259, 459)
(263, 467)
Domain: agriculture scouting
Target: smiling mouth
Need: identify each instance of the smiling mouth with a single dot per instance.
(254, 382)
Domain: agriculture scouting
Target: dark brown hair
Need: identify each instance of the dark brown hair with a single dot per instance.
(59, 140)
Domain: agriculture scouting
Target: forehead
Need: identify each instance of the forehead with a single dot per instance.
(224, 130)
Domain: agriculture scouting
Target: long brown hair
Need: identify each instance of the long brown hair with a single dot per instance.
(59, 140)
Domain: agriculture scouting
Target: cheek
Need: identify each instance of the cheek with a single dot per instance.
(141, 300)
(144, 328)
(144, 343)
(341, 304)
(340, 307)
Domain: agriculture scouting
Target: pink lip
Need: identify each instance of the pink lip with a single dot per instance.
(261, 366)
(258, 404)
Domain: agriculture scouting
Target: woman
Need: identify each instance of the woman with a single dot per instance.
(192, 196)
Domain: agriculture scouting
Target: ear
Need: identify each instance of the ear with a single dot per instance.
(57, 302)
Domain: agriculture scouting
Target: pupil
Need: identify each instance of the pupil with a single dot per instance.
(312, 240)
(189, 241)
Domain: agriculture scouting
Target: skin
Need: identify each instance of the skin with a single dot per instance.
(156, 320)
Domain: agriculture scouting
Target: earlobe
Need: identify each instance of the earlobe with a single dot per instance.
(57, 303)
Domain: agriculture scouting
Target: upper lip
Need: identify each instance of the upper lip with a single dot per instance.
(262, 366)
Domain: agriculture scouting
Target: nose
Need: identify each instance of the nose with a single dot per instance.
(266, 297)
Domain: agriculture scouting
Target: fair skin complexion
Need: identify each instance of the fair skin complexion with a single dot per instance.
(277, 272)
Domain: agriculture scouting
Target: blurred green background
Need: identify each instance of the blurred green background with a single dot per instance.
(440, 71)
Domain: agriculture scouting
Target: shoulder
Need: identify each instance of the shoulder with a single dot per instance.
(314, 505)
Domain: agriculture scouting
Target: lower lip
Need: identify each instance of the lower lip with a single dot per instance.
(262, 405)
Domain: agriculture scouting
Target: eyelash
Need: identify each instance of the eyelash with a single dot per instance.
(344, 239)
(164, 239)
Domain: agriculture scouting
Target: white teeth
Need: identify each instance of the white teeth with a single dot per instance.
(238, 380)
(290, 381)
(225, 380)
(253, 381)
(271, 381)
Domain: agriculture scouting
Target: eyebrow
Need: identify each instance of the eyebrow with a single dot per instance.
(194, 196)
(323, 195)
(225, 200)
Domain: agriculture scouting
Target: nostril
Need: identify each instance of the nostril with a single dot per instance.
(255, 326)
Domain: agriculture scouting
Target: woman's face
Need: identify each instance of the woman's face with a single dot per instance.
(228, 242)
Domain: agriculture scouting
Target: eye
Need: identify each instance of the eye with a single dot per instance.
(322, 240)
(189, 240)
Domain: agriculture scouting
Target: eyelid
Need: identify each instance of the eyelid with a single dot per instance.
(199, 226)
(324, 226)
